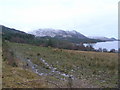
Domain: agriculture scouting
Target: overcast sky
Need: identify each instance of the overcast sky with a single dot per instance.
(89, 17)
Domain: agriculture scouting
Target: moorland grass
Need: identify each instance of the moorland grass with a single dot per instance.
(98, 68)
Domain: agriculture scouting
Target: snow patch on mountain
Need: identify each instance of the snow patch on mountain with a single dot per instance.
(57, 32)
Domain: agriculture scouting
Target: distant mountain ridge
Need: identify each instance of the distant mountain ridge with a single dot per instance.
(56, 33)
(42, 35)
(102, 38)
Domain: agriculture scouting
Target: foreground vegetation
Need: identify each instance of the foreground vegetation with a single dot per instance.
(90, 69)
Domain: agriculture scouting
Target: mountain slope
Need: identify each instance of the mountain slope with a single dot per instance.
(15, 35)
(70, 36)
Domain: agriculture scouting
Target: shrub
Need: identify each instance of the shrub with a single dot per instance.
(104, 50)
(112, 50)
(14, 64)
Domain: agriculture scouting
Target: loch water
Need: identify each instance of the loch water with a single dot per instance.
(108, 45)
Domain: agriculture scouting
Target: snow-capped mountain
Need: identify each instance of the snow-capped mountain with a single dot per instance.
(56, 33)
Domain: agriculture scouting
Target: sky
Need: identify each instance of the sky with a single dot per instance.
(89, 17)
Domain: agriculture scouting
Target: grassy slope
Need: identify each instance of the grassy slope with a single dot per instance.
(95, 68)
(15, 77)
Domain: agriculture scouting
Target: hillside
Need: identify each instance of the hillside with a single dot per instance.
(86, 69)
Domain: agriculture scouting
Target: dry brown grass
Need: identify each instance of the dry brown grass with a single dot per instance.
(16, 77)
